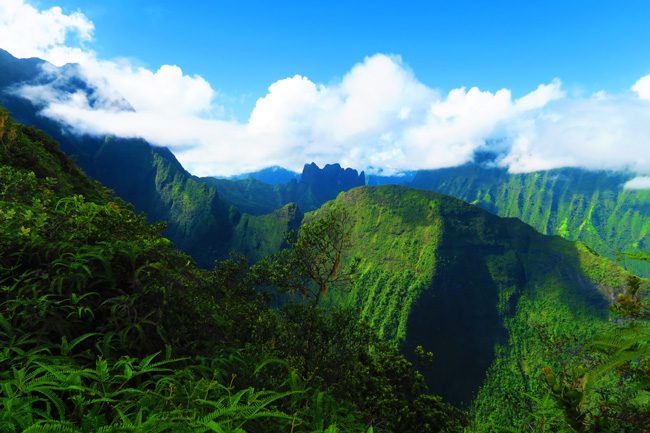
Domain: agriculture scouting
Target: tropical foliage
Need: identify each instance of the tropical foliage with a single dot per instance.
(104, 326)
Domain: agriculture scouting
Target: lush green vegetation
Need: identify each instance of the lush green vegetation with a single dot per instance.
(104, 326)
(202, 215)
(499, 305)
(576, 204)
(258, 236)
(565, 371)
(315, 187)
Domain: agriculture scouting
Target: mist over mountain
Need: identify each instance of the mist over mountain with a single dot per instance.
(149, 177)
(576, 204)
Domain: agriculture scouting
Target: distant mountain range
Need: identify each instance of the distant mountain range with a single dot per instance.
(488, 294)
(271, 175)
(203, 214)
(314, 187)
(577, 204)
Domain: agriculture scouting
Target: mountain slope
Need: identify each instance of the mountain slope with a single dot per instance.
(449, 276)
(104, 326)
(198, 220)
(577, 204)
(258, 236)
(271, 175)
(315, 187)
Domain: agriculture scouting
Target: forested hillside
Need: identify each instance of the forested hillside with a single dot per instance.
(149, 177)
(104, 326)
(492, 299)
(591, 206)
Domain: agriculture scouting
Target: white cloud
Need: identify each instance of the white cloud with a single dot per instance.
(611, 133)
(541, 96)
(640, 182)
(62, 38)
(378, 115)
(642, 87)
(28, 32)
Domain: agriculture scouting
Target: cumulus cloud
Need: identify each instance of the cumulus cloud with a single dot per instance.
(610, 133)
(640, 182)
(379, 115)
(642, 87)
(62, 38)
(28, 32)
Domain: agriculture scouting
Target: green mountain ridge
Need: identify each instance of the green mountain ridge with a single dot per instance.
(440, 273)
(104, 326)
(590, 206)
(151, 178)
(577, 204)
(499, 305)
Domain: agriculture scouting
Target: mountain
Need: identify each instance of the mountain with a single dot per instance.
(398, 179)
(271, 175)
(577, 204)
(438, 272)
(104, 326)
(258, 236)
(17, 70)
(202, 214)
(198, 220)
(315, 187)
(325, 184)
(497, 304)
(200, 217)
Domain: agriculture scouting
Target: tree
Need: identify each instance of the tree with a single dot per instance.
(314, 261)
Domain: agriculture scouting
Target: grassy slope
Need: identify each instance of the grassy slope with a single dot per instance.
(440, 273)
(575, 204)
(258, 236)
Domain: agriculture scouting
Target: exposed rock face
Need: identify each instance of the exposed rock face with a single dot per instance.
(327, 182)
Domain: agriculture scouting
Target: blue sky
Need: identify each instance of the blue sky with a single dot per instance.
(241, 47)
(237, 86)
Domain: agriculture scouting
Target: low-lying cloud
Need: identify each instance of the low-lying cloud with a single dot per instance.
(378, 116)
(639, 182)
